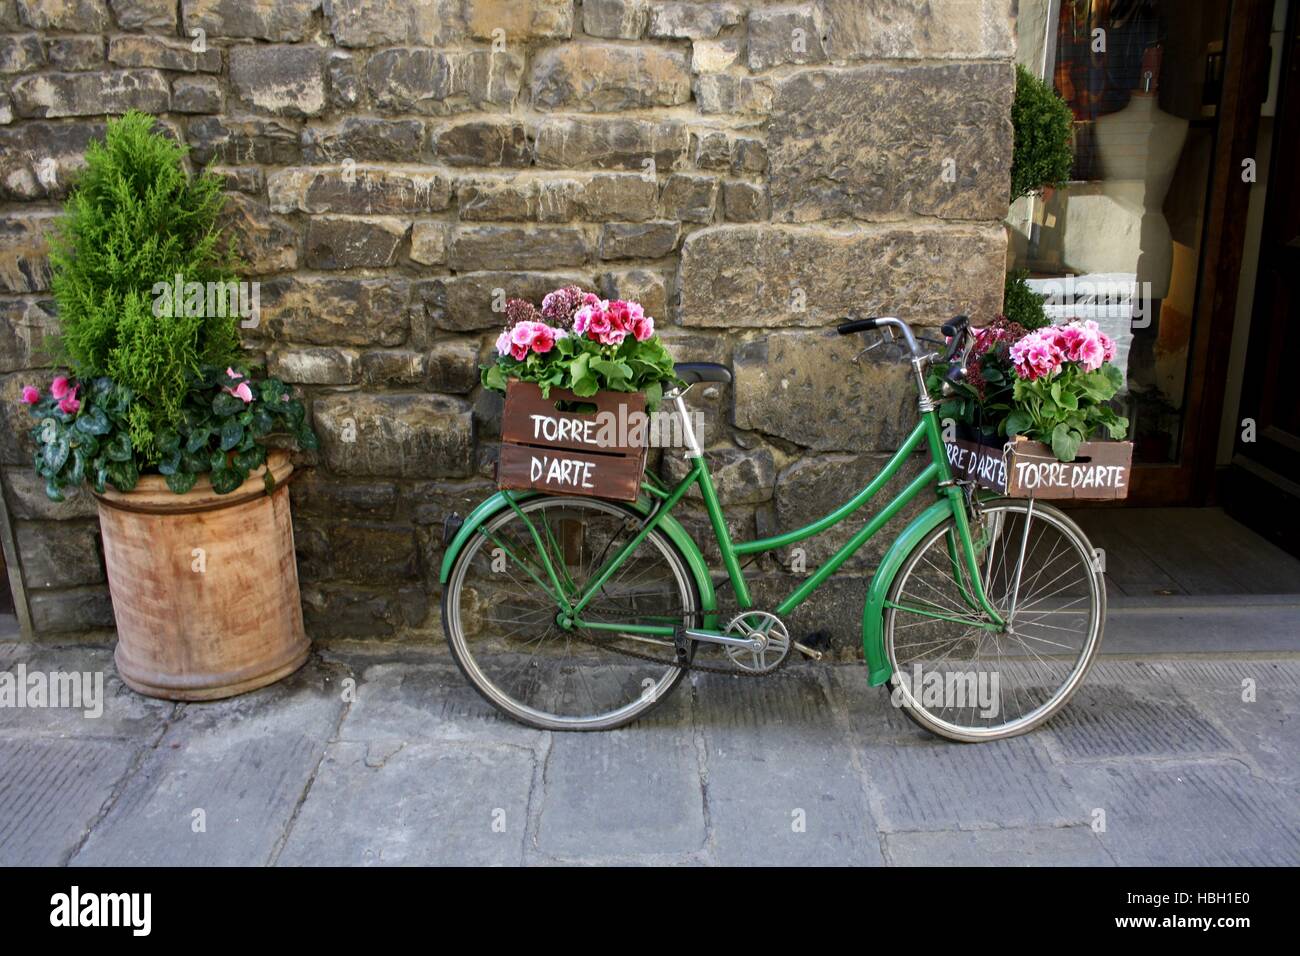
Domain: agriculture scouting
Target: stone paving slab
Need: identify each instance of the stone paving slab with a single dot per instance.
(220, 786)
(783, 786)
(51, 793)
(418, 804)
(1196, 814)
(1056, 846)
(383, 755)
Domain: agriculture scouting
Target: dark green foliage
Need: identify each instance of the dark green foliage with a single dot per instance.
(1042, 155)
(218, 433)
(1021, 304)
(135, 218)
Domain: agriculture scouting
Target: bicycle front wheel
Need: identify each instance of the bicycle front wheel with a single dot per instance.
(500, 614)
(955, 672)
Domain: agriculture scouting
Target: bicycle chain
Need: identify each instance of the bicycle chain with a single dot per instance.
(692, 666)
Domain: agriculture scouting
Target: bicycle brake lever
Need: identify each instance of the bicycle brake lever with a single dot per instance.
(886, 337)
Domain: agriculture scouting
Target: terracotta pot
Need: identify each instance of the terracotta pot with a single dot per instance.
(204, 586)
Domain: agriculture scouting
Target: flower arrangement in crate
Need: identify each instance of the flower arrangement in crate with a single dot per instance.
(1047, 393)
(579, 374)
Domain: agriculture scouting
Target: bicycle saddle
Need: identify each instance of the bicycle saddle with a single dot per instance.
(693, 373)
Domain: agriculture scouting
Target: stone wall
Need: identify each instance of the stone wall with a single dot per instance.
(750, 171)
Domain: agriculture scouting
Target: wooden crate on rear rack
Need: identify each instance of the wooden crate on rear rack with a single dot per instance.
(1028, 469)
(544, 448)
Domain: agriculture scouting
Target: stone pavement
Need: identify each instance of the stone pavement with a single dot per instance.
(384, 755)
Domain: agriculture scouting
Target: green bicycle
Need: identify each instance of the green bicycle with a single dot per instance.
(572, 613)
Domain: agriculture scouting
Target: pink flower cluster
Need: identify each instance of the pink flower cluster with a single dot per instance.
(63, 392)
(609, 323)
(1041, 353)
(524, 337)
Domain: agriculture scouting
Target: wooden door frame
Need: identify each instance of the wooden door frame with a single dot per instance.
(1192, 479)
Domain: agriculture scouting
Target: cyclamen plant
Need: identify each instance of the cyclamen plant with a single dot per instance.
(581, 342)
(85, 436)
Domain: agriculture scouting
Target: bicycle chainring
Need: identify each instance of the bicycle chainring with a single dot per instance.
(759, 624)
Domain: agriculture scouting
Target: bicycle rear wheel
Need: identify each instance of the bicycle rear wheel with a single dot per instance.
(500, 615)
(958, 675)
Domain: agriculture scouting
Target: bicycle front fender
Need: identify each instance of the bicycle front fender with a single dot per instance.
(879, 669)
(669, 525)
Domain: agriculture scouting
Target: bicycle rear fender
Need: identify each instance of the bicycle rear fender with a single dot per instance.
(669, 525)
(879, 669)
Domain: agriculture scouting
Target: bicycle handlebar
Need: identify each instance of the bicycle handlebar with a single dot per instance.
(954, 329)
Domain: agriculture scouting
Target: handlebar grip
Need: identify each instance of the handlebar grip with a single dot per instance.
(956, 324)
(856, 325)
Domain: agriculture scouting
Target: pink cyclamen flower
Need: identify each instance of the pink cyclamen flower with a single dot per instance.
(31, 394)
(59, 387)
(233, 374)
(241, 391)
(69, 403)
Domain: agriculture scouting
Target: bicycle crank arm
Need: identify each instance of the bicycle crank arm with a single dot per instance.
(713, 637)
(808, 651)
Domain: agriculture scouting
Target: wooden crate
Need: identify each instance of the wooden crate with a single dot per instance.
(1028, 469)
(561, 452)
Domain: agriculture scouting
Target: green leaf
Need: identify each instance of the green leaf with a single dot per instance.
(224, 405)
(1018, 422)
(198, 440)
(56, 452)
(93, 421)
(181, 481)
(1065, 442)
(52, 490)
(119, 449)
(307, 439)
(226, 480)
(232, 433)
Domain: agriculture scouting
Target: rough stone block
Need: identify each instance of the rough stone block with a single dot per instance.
(521, 20)
(163, 54)
(639, 285)
(341, 242)
(516, 247)
(74, 16)
(24, 251)
(54, 95)
(603, 77)
(363, 139)
(483, 143)
(284, 21)
(320, 310)
(642, 240)
(629, 197)
(395, 435)
(315, 366)
(452, 366)
(157, 15)
(785, 35)
(377, 23)
(75, 53)
(835, 142)
(728, 93)
(25, 324)
(278, 79)
(429, 242)
(692, 21)
(803, 387)
(264, 242)
(745, 201)
(358, 190)
(689, 198)
(433, 82)
(59, 554)
(615, 19)
(902, 29)
(196, 94)
(714, 56)
(751, 276)
(265, 141)
(642, 145)
(19, 54)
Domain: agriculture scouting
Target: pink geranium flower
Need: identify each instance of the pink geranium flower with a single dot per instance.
(31, 394)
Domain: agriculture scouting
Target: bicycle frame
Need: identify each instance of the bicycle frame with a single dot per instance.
(936, 474)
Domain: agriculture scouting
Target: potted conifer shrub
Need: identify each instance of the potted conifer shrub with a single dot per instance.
(166, 423)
